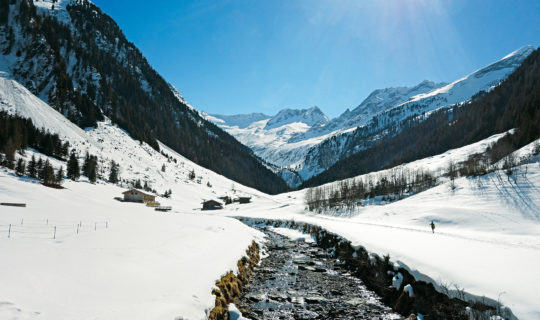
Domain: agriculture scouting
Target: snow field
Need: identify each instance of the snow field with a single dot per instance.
(145, 265)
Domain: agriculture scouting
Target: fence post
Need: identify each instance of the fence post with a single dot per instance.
(95, 226)
(9, 231)
(22, 220)
(77, 229)
(106, 224)
(54, 236)
(47, 221)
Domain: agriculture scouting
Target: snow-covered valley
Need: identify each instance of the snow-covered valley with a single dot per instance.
(131, 261)
(120, 200)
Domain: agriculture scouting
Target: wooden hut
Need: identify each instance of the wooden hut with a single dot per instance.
(135, 195)
(212, 205)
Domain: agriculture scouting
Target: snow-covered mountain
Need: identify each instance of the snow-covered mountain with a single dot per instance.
(378, 101)
(313, 117)
(85, 68)
(310, 143)
(276, 139)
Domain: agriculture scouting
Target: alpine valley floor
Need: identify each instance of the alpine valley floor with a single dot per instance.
(129, 261)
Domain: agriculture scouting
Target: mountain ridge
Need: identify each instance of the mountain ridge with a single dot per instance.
(310, 150)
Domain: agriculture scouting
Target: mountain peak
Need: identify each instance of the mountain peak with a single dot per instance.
(523, 51)
(312, 116)
(382, 99)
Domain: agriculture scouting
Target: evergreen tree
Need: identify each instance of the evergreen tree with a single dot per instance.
(73, 170)
(92, 170)
(191, 174)
(20, 168)
(32, 172)
(163, 168)
(65, 149)
(9, 150)
(138, 184)
(452, 174)
(167, 193)
(47, 174)
(39, 168)
(59, 176)
(85, 167)
(113, 176)
(90, 167)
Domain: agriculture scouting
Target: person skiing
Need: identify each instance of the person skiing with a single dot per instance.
(432, 224)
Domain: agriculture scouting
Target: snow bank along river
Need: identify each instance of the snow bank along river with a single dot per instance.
(319, 275)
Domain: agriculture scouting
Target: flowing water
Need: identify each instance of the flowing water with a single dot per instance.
(300, 281)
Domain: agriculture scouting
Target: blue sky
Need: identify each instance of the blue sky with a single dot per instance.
(234, 57)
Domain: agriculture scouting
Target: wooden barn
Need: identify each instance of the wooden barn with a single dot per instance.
(212, 205)
(135, 195)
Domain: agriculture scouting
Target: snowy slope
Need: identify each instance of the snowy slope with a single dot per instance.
(138, 263)
(310, 147)
(16, 99)
(109, 142)
(483, 79)
(56, 8)
(487, 237)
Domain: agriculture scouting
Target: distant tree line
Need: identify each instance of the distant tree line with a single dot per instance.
(398, 182)
(348, 194)
(41, 170)
(17, 133)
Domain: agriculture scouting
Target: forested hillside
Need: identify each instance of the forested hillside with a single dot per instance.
(77, 59)
(515, 103)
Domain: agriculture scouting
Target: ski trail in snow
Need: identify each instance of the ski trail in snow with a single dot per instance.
(438, 233)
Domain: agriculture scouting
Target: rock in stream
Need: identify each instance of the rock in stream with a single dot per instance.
(300, 281)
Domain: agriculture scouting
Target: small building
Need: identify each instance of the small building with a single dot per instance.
(212, 205)
(244, 199)
(135, 195)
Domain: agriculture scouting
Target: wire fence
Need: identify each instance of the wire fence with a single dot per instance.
(48, 229)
